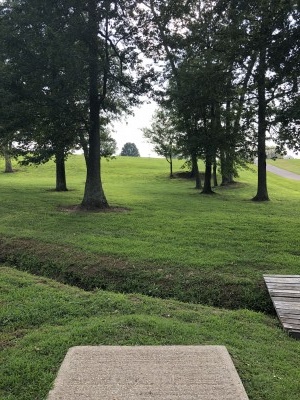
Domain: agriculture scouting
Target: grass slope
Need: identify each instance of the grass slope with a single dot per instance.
(171, 242)
(41, 319)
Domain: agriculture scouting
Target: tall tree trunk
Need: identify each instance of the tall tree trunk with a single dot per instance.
(215, 173)
(226, 160)
(85, 148)
(94, 194)
(227, 154)
(195, 171)
(171, 166)
(61, 182)
(224, 172)
(262, 192)
(210, 149)
(207, 177)
(6, 152)
(8, 165)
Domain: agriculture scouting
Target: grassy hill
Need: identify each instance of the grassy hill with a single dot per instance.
(164, 240)
(161, 239)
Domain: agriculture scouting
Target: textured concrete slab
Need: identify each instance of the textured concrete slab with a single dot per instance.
(147, 372)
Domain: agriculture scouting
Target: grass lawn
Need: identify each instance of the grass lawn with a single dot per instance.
(165, 241)
(289, 165)
(170, 242)
(41, 319)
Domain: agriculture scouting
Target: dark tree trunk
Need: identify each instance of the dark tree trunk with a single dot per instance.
(61, 182)
(170, 161)
(94, 194)
(195, 171)
(210, 149)
(262, 192)
(224, 173)
(226, 160)
(215, 173)
(207, 177)
(85, 148)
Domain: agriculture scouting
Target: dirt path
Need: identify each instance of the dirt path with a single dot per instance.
(283, 173)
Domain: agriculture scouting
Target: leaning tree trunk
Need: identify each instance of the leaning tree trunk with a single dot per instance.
(94, 196)
(61, 182)
(262, 192)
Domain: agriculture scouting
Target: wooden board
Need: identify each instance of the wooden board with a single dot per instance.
(285, 294)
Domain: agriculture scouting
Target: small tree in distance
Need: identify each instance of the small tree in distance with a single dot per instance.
(130, 150)
(163, 135)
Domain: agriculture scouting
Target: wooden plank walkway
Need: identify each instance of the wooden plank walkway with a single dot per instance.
(285, 294)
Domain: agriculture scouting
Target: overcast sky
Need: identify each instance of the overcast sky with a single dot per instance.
(129, 130)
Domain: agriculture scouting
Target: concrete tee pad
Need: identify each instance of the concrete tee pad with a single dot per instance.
(148, 372)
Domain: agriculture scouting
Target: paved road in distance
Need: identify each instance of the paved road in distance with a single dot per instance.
(283, 173)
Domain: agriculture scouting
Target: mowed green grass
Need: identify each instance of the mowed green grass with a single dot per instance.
(41, 319)
(165, 240)
(167, 221)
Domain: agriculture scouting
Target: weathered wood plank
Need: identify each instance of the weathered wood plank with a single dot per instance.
(289, 321)
(289, 286)
(284, 311)
(290, 312)
(285, 294)
(285, 280)
(285, 291)
(283, 285)
(291, 327)
(281, 276)
(283, 299)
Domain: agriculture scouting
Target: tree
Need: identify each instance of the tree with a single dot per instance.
(108, 145)
(271, 27)
(77, 66)
(288, 122)
(5, 151)
(130, 150)
(163, 135)
(165, 25)
(44, 81)
(116, 78)
(188, 36)
(229, 63)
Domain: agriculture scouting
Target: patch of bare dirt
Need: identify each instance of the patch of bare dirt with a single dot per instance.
(78, 209)
(187, 175)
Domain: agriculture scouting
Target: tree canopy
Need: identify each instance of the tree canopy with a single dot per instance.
(227, 72)
(130, 150)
